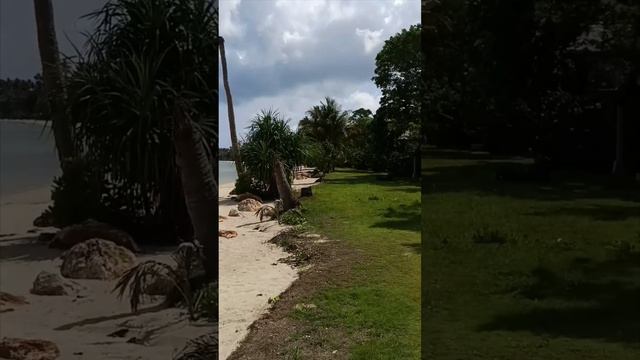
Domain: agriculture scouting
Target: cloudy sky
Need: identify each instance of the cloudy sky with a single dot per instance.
(282, 54)
(19, 57)
(290, 54)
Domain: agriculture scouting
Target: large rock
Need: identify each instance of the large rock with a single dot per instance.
(248, 196)
(47, 283)
(96, 259)
(28, 349)
(249, 205)
(91, 229)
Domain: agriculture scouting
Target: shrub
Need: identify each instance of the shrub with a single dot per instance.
(292, 217)
(207, 302)
(76, 195)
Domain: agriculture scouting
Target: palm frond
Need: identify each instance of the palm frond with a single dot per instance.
(136, 279)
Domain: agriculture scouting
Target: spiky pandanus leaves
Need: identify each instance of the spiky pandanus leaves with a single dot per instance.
(136, 280)
(204, 347)
(270, 139)
(146, 58)
(188, 263)
(267, 211)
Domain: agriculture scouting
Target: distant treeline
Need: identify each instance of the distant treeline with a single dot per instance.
(23, 99)
(224, 154)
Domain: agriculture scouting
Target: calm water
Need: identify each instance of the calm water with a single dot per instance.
(227, 172)
(28, 158)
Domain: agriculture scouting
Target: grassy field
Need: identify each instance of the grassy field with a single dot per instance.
(546, 270)
(380, 306)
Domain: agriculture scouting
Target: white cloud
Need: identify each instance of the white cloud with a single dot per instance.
(291, 54)
(361, 99)
(288, 37)
(229, 25)
(371, 39)
(293, 103)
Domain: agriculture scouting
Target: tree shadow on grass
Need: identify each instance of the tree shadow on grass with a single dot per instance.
(367, 177)
(601, 302)
(595, 212)
(479, 177)
(402, 217)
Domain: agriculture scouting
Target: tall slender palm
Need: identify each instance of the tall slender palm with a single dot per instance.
(235, 150)
(54, 81)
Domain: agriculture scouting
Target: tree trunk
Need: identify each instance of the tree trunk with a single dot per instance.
(235, 150)
(54, 82)
(200, 190)
(618, 165)
(284, 189)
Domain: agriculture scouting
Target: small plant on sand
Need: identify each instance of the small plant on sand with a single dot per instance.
(206, 304)
(204, 347)
(267, 212)
(184, 277)
(293, 217)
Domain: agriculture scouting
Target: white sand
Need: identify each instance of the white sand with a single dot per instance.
(250, 273)
(22, 257)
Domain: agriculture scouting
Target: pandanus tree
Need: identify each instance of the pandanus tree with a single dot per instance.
(270, 152)
(145, 98)
(326, 124)
(54, 81)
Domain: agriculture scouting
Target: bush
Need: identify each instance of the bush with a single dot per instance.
(292, 217)
(207, 302)
(76, 195)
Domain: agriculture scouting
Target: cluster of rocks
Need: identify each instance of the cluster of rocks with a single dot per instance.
(94, 250)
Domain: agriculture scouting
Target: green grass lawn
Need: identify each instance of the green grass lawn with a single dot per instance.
(381, 304)
(528, 270)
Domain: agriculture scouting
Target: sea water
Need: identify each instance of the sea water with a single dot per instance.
(28, 157)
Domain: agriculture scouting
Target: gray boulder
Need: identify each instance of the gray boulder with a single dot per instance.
(96, 259)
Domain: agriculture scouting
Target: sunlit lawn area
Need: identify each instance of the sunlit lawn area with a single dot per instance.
(529, 270)
(381, 304)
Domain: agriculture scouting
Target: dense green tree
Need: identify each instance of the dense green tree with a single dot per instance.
(359, 141)
(532, 77)
(398, 74)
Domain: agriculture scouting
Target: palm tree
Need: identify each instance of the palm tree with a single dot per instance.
(270, 153)
(146, 101)
(326, 124)
(235, 150)
(53, 81)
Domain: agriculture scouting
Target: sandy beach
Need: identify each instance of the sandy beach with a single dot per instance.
(22, 258)
(250, 273)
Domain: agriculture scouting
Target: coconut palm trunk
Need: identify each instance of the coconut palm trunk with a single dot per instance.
(235, 150)
(284, 189)
(200, 190)
(54, 81)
